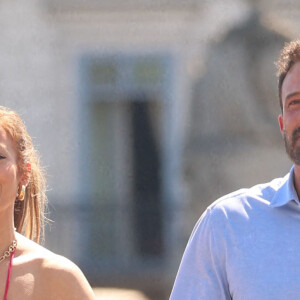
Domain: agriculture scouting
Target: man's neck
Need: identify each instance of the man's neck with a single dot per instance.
(297, 179)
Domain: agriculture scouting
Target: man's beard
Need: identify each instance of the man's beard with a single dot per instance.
(292, 150)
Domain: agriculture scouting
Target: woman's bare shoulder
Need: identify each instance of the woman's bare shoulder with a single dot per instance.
(58, 277)
(63, 279)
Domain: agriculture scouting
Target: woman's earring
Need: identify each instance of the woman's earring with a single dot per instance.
(21, 194)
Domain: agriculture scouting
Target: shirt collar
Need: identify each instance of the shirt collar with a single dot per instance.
(286, 191)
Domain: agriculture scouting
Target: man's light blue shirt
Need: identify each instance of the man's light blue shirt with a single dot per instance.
(245, 246)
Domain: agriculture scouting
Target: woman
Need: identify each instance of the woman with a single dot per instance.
(27, 270)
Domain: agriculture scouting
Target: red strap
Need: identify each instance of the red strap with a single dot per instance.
(8, 275)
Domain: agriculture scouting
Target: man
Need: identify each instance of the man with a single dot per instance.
(246, 245)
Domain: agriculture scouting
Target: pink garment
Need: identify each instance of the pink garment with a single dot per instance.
(8, 274)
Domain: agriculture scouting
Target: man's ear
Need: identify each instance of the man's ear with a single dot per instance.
(280, 121)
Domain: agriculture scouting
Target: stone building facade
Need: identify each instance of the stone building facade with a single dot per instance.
(144, 112)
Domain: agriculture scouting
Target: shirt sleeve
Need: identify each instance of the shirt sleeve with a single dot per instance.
(202, 272)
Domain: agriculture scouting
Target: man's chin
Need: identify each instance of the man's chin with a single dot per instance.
(296, 142)
(295, 156)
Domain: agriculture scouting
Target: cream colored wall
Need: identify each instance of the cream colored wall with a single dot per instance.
(31, 82)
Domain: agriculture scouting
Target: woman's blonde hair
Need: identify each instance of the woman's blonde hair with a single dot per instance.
(28, 214)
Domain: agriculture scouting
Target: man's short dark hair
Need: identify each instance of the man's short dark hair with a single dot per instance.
(289, 55)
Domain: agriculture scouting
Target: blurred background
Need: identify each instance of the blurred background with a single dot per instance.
(144, 112)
